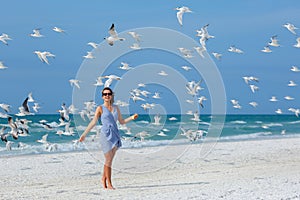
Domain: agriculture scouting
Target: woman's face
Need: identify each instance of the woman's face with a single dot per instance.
(106, 95)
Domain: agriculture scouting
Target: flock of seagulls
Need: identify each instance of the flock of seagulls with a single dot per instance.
(193, 88)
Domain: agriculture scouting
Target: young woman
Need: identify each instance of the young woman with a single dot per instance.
(110, 139)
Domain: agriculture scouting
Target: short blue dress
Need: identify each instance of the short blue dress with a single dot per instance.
(109, 136)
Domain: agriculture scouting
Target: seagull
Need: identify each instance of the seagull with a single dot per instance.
(193, 87)
(189, 112)
(289, 98)
(254, 104)
(93, 44)
(74, 82)
(290, 27)
(253, 88)
(2, 66)
(235, 50)
(278, 111)
(121, 103)
(173, 119)
(135, 36)
(266, 49)
(192, 135)
(202, 41)
(250, 78)
(273, 99)
(24, 109)
(142, 135)
(203, 33)
(43, 56)
(8, 145)
(3, 135)
(217, 55)
(274, 41)
(58, 30)
(297, 45)
(292, 84)
(72, 109)
(235, 104)
(36, 107)
(295, 69)
(110, 79)
(186, 52)
(4, 37)
(180, 12)
(162, 73)
(141, 85)
(201, 99)
(113, 36)
(64, 113)
(136, 98)
(5, 107)
(125, 66)
(144, 93)
(36, 33)
(99, 81)
(161, 133)
(147, 106)
(200, 50)
(186, 68)
(43, 140)
(13, 128)
(89, 55)
(189, 101)
(156, 95)
(295, 111)
(46, 126)
(30, 98)
(186, 133)
(135, 46)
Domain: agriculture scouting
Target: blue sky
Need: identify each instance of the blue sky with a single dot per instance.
(246, 24)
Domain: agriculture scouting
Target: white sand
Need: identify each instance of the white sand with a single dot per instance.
(266, 169)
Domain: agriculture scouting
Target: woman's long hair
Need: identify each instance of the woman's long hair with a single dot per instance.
(112, 96)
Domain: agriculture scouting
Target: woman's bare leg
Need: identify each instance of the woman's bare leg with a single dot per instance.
(103, 180)
(109, 156)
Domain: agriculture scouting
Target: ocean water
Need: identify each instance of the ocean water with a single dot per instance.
(147, 131)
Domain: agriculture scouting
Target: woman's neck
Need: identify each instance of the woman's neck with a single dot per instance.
(107, 104)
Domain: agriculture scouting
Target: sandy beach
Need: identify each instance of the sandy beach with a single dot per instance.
(258, 169)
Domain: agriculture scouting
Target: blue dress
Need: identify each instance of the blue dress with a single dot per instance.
(109, 136)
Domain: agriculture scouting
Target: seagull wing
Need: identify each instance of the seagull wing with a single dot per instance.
(25, 105)
(112, 31)
(179, 17)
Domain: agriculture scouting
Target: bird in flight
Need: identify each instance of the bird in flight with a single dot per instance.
(113, 36)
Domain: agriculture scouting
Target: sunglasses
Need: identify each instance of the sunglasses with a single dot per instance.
(106, 94)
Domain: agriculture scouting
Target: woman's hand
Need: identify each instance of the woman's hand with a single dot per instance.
(135, 116)
(81, 139)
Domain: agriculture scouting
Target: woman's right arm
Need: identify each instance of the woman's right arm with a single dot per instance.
(91, 124)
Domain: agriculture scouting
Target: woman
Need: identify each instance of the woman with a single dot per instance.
(109, 137)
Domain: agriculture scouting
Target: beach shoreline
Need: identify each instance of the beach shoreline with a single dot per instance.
(254, 169)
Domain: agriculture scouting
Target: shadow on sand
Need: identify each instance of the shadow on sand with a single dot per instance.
(161, 185)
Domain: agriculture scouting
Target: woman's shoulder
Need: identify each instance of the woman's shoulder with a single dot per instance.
(99, 109)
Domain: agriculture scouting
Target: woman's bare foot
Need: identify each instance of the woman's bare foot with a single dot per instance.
(110, 187)
(103, 180)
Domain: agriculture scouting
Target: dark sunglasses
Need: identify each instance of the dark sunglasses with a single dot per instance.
(106, 94)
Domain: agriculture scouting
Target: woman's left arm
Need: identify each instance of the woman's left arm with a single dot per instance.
(128, 119)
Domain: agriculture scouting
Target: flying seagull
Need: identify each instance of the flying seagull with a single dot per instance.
(113, 36)
(4, 37)
(180, 12)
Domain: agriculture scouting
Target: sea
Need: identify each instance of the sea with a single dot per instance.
(146, 131)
